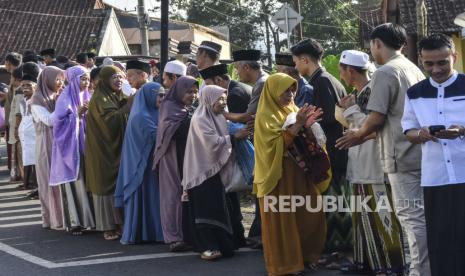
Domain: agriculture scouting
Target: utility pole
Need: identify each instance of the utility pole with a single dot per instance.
(164, 33)
(144, 35)
(298, 29)
(267, 28)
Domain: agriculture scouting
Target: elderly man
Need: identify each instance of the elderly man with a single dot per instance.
(137, 73)
(239, 94)
(173, 70)
(366, 176)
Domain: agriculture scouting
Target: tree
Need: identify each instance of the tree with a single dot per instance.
(332, 22)
(244, 26)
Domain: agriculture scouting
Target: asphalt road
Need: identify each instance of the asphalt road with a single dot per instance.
(27, 249)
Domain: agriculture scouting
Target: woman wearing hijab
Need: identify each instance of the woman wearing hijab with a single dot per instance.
(172, 134)
(68, 149)
(207, 168)
(137, 187)
(42, 107)
(290, 239)
(106, 122)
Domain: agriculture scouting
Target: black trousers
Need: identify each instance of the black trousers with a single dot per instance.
(445, 226)
(30, 179)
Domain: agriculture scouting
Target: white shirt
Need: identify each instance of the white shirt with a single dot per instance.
(430, 103)
(41, 114)
(27, 135)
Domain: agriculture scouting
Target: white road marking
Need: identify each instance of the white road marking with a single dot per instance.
(26, 256)
(22, 192)
(21, 217)
(20, 210)
(21, 203)
(11, 198)
(13, 238)
(48, 264)
(18, 224)
(9, 186)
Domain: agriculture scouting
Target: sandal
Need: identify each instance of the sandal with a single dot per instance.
(110, 236)
(33, 195)
(179, 246)
(210, 255)
(76, 231)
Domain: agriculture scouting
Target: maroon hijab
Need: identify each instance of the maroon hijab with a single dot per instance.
(172, 113)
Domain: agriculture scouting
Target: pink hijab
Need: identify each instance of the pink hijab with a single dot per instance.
(45, 95)
(208, 147)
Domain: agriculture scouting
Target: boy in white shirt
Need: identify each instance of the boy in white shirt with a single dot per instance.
(27, 132)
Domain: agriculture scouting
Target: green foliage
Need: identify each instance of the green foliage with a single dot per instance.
(332, 22)
(331, 64)
(244, 25)
(232, 72)
(338, 13)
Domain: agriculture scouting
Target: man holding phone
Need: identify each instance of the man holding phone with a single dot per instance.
(434, 116)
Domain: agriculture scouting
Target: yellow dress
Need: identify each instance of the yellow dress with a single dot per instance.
(291, 239)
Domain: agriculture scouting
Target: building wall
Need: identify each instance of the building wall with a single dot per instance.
(195, 35)
(114, 42)
(460, 48)
(200, 36)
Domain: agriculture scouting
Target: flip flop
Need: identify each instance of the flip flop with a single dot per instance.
(211, 255)
(110, 236)
(76, 231)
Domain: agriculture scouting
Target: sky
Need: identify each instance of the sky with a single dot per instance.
(132, 4)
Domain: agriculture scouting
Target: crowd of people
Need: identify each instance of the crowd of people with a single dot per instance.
(148, 157)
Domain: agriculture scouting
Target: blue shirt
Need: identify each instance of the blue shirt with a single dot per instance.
(304, 93)
(430, 103)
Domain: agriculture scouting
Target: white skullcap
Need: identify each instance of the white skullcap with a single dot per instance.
(107, 61)
(176, 67)
(355, 58)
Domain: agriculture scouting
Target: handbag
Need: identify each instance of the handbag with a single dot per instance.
(237, 182)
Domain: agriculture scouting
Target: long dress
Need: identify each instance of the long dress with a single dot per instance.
(142, 211)
(173, 128)
(106, 123)
(137, 189)
(50, 197)
(291, 239)
(211, 217)
(170, 175)
(67, 163)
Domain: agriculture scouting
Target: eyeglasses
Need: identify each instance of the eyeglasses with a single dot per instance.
(161, 95)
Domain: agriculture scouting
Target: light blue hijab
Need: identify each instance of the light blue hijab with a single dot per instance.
(139, 141)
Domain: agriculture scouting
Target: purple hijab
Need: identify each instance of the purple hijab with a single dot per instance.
(172, 113)
(67, 144)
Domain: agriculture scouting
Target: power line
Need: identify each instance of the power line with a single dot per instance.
(262, 13)
(327, 6)
(245, 22)
(53, 15)
(354, 13)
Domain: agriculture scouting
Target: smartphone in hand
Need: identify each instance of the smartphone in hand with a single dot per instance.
(434, 130)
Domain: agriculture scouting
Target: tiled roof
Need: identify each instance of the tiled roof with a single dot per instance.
(441, 15)
(371, 15)
(69, 26)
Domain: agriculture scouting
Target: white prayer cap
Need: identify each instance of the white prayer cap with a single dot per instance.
(355, 58)
(176, 67)
(107, 61)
